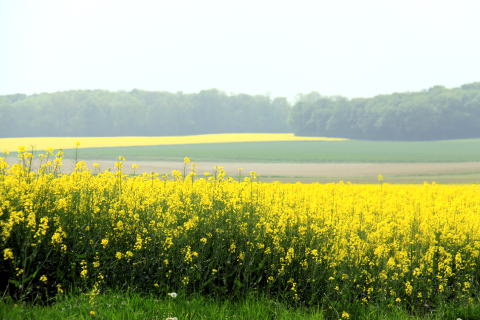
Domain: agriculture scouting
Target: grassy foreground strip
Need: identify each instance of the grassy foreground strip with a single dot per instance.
(134, 306)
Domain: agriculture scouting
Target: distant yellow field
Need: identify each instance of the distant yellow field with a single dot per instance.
(11, 144)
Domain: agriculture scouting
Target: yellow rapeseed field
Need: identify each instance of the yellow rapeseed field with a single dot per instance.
(337, 245)
(11, 144)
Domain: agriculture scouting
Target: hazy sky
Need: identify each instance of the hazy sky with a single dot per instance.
(351, 48)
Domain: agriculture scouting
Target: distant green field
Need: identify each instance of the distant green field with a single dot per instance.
(298, 151)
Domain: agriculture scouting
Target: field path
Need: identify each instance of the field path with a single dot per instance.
(467, 172)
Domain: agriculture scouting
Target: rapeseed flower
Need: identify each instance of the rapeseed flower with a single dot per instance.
(406, 245)
(8, 254)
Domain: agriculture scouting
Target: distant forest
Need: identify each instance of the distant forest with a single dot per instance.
(139, 113)
(434, 114)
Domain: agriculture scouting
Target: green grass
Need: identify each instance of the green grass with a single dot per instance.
(299, 151)
(134, 306)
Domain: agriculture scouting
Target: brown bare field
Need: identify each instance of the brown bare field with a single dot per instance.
(449, 172)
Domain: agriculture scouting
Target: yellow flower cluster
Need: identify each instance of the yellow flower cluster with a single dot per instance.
(410, 245)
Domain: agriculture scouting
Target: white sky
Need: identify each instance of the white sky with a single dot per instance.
(346, 47)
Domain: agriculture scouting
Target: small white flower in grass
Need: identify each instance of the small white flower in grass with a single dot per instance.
(172, 318)
(172, 294)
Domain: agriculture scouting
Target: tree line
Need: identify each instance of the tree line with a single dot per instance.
(139, 113)
(436, 113)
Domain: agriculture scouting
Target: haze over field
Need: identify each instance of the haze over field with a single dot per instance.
(351, 48)
(96, 70)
